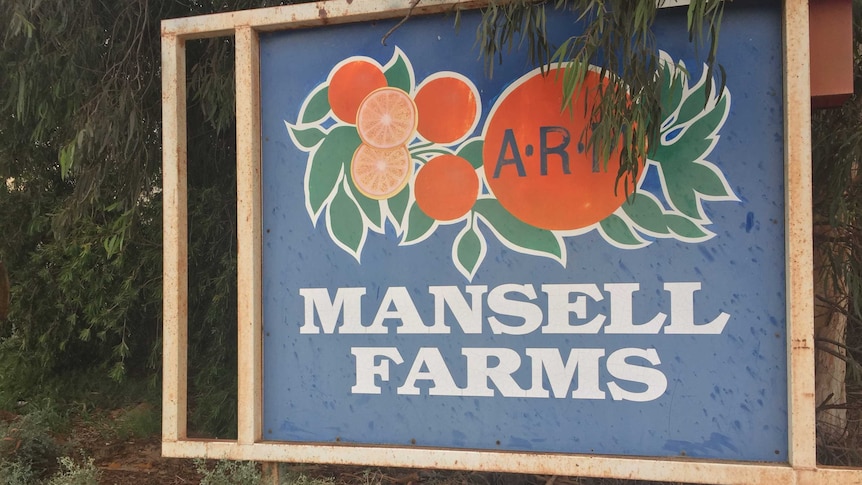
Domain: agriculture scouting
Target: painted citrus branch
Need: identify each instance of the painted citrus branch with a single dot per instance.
(618, 37)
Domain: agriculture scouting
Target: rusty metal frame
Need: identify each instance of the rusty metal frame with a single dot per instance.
(244, 26)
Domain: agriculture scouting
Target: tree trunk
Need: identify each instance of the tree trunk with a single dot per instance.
(830, 331)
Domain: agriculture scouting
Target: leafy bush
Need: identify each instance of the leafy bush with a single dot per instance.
(303, 479)
(16, 473)
(228, 472)
(71, 473)
(29, 439)
(141, 421)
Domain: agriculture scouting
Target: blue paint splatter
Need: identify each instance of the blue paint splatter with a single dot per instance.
(749, 221)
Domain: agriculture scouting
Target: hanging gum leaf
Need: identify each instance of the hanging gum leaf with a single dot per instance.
(326, 164)
(345, 223)
(517, 234)
(317, 107)
(672, 88)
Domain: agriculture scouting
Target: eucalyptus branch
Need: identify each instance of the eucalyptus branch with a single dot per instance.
(626, 108)
(413, 4)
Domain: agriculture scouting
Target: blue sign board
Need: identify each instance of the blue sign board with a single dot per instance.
(446, 264)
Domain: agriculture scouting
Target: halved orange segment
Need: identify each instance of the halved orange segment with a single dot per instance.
(380, 173)
(386, 118)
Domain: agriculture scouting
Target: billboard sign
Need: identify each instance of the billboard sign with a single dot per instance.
(446, 262)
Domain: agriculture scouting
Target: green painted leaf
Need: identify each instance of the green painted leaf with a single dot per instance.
(685, 227)
(706, 126)
(646, 213)
(326, 164)
(693, 104)
(307, 137)
(370, 207)
(680, 192)
(521, 235)
(398, 205)
(472, 152)
(418, 225)
(468, 250)
(684, 151)
(345, 222)
(685, 181)
(706, 181)
(619, 231)
(317, 107)
(696, 141)
(398, 73)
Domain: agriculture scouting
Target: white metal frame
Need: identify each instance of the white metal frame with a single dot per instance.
(245, 25)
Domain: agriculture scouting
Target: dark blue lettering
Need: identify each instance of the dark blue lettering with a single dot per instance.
(509, 141)
(559, 149)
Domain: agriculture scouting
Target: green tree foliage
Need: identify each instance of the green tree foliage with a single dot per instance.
(837, 205)
(80, 203)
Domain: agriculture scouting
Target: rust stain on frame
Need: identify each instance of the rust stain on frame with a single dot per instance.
(249, 315)
(800, 287)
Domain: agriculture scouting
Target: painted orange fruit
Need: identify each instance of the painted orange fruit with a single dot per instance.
(446, 187)
(386, 118)
(448, 108)
(535, 160)
(350, 84)
(380, 173)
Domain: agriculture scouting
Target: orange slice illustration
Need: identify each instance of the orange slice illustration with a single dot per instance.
(380, 173)
(386, 118)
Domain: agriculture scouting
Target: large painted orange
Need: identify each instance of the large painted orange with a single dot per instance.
(534, 156)
(350, 83)
(446, 187)
(448, 107)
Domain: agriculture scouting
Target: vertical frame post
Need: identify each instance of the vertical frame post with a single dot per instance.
(175, 236)
(249, 319)
(800, 286)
